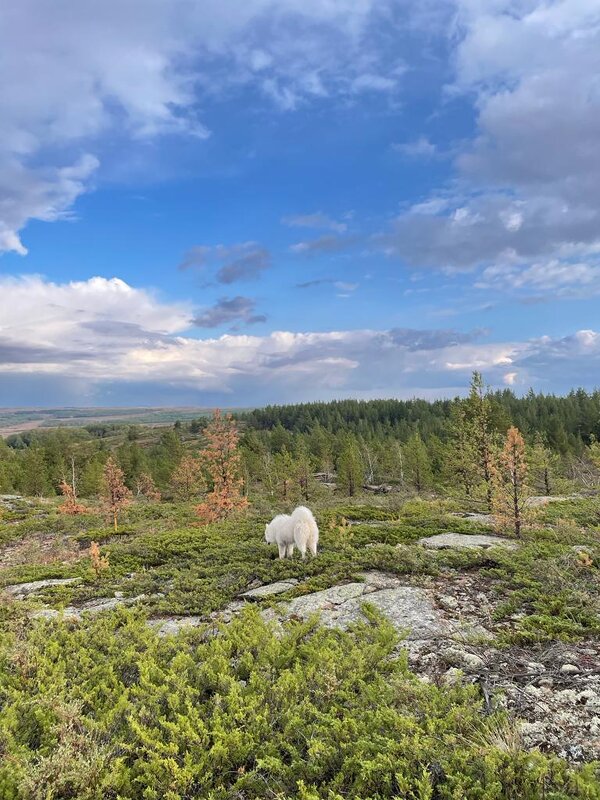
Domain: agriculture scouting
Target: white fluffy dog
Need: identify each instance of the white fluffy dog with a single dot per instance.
(298, 529)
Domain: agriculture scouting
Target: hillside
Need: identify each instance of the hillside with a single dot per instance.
(193, 666)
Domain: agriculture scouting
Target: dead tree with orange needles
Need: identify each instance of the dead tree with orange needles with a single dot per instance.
(510, 483)
(145, 487)
(70, 505)
(116, 495)
(222, 464)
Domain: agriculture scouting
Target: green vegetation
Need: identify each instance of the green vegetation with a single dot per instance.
(102, 706)
(109, 710)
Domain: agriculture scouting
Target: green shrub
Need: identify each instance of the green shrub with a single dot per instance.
(108, 710)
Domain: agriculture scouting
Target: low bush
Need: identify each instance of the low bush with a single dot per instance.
(109, 711)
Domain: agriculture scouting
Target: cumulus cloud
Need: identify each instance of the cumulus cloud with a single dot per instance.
(529, 184)
(142, 68)
(237, 262)
(227, 310)
(100, 338)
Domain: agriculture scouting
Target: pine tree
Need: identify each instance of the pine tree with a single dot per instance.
(461, 453)
(543, 466)
(98, 562)
(510, 489)
(418, 465)
(70, 504)
(35, 477)
(284, 468)
(187, 477)
(303, 469)
(116, 496)
(350, 471)
(479, 416)
(222, 462)
(145, 487)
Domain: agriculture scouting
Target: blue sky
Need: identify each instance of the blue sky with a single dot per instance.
(242, 203)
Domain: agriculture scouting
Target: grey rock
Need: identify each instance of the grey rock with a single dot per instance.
(271, 589)
(453, 677)
(461, 658)
(410, 609)
(21, 590)
(45, 613)
(544, 500)
(171, 626)
(91, 607)
(443, 541)
(536, 667)
(448, 602)
(570, 669)
(379, 580)
(485, 519)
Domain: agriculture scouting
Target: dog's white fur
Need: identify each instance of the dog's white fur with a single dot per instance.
(297, 529)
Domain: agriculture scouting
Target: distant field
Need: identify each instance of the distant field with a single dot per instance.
(17, 420)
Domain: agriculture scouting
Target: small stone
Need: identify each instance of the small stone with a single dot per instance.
(546, 682)
(536, 667)
(448, 602)
(570, 669)
(461, 658)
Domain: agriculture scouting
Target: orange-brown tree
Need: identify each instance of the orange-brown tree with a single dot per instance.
(222, 464)
(145, 487)
(186, 478)
(510, 483)
(69, 505)
(98, 562)
(116, 496)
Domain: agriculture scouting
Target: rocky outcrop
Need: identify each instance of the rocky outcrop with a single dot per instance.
(270, 589)
(444, 541)
(21, 590)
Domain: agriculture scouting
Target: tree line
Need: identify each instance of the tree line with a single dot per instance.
(296, 452)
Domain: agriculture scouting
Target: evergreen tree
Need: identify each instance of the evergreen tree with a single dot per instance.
(479, 416)
(543, 466)
(418, 465)
(461, 453)
(350, 470)
(35, 479)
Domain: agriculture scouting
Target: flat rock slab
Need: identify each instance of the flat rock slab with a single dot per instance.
(21, 590)
(171, 626)
(410, 609)
(444, 541)
(470, 516)
(544, 500)
(91, 607)
(270, 589)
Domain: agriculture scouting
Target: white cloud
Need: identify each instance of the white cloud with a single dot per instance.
(103, 336)
(141, 68)
(529, 183)
(419, 148)
(317, 220)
